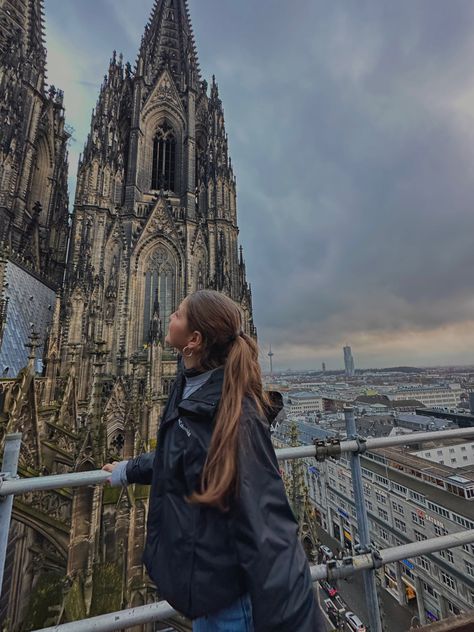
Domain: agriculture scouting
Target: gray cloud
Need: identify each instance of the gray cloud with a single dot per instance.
(351, 130)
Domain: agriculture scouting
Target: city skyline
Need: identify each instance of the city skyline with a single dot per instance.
(366, 236)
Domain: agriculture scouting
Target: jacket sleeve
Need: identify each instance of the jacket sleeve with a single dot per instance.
(140, 469)
(270, 554)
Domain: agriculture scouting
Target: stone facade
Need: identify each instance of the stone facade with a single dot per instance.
(154, 218)
(33, 146)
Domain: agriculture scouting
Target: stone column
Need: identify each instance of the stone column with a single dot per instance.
(402, 595)
(341, 531)
(443, 607)
(420, 600)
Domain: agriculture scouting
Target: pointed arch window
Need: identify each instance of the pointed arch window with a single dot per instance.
(160, 295)
(164, 159)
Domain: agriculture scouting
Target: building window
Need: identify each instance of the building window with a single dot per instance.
(382, 514)
(469, 548)
(448, 580)
(453, 609)
(430, 590)
(381, 498)
(447, 555)
(440, 531)
(397, 508)
(384, 535)
(419, 536)
(417, 518)
(160, 295)
(469, 568)
(424, 563)
(164, 159)
(400, 525)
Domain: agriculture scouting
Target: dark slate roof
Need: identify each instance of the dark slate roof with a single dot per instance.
(30, 303)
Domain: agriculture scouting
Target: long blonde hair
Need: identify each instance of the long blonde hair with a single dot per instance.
(224, 343)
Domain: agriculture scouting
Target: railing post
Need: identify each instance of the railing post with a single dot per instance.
(368, 576)
(9, 470)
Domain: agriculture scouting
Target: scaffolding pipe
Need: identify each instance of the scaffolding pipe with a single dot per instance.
(368, 577)
(54, 481)
(9, 470)
(79, 479)
(341, 568)
(371, 561)
(376, 444)
(121, 620)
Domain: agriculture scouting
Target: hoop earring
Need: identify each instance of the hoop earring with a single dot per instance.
(188, 354)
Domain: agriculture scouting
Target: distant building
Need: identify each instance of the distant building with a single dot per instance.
(421, 423)
(406, 501)
(455, 455)
(324, 367)
(349, 362)
(406, 405)
(438, 395)
(463, 420)
(301, 403)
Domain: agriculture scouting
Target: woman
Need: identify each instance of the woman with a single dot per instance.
(222, 542)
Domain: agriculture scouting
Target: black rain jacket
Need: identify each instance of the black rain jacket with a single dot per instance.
(202, 559)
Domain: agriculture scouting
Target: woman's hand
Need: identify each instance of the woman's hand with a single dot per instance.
(110, 467)
(118, 471)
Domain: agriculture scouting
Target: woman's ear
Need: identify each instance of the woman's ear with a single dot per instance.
(195, 341)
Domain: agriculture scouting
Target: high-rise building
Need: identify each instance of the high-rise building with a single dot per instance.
(349, 362)
(155, 218)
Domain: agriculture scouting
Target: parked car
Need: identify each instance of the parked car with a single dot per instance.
(335, 614)
(328, 605)
(331, 590)
(339, 602)
(326, 551)
(354, 622)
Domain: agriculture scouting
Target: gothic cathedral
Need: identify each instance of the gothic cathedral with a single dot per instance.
(154, 218)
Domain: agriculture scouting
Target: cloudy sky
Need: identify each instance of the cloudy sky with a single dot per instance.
(351, 128)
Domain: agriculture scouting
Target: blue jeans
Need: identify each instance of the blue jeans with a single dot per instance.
(235, 618)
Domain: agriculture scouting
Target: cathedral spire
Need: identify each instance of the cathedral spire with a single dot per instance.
(168, 42)
(36, 29)
(24, 22)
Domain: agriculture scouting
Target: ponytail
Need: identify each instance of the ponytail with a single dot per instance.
(242, 377)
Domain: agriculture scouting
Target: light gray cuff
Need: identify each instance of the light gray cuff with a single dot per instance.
(119, 475)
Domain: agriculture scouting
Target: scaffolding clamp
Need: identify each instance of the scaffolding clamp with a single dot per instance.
(376, 558)
(325, 449)
(4, 476)
(331, 565)
(361, 444)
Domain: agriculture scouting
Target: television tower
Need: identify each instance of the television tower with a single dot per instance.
(270, 355)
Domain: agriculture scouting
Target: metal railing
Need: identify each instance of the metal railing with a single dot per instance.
(367, 562)
(339, 570)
